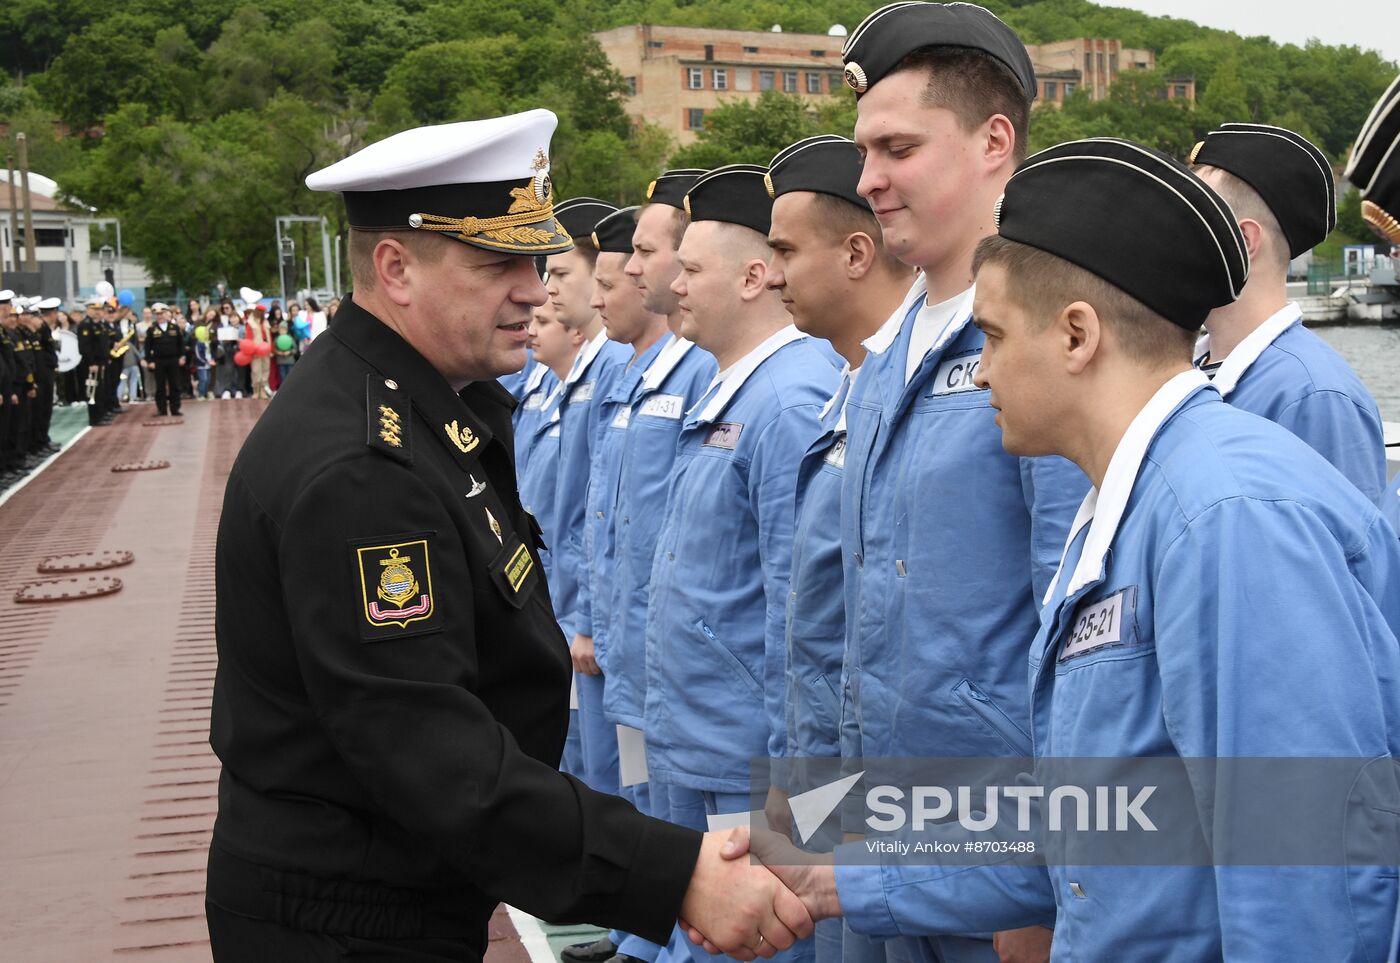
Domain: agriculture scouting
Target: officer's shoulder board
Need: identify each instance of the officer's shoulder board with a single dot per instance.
(388, 417)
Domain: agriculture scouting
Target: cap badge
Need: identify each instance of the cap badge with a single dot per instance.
(651, 189)
(996, 211)
(855, 78)
(464, 438)
(544, 188)
(768, 185)
(685, 203)
(415, 221)
(1195, 152)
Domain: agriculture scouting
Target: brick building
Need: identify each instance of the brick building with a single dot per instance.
(678, 74)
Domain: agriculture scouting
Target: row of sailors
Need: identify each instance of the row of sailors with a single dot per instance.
(783, 520)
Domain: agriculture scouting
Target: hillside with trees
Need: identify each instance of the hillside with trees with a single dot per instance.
(196, 121)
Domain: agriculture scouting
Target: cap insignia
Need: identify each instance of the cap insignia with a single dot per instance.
(651, 189)
(1195, 152)
(768, 185)
(855, 78)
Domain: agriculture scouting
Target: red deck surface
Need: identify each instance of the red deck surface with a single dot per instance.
(107, 784)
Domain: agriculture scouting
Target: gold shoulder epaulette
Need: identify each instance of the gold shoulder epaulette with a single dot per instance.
(388, 417)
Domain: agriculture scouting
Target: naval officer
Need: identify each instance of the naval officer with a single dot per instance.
(390, 700)
(1256, 350)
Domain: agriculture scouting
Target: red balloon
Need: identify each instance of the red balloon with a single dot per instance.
(246, 346)
(241, 359)
(263, 349)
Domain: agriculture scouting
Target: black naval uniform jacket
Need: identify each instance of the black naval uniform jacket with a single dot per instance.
(392, 691)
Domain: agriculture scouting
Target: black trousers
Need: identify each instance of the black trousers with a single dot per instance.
(237, 939)
(43, 413)
(16, 439)
(7, 411)
(168, 376)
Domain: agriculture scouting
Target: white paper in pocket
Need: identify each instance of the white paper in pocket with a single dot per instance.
(573, 692)
(723, 822)
(631, 756)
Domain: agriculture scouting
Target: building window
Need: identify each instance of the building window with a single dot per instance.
(814, 83)
(45, 236)
(632, 86)
(1180, 91)
(835, 81)
(656, 44)
(721, 78)
(743, 80)
(1088, 64)
(1069, 88)
(1113, 64)
(709, 52)
(765, 80)
(750, 50)
(1051, 89)
(694, 118)
(1100, 62)
(789, 81)
(695, 78)
(817, 53)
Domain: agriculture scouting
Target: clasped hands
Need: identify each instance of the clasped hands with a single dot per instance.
(774, 899)
(741, 907)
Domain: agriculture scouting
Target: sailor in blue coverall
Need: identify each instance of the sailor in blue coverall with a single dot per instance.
(1374, 168)
(537, 457)
(839, 284)
(671, 384)
(627, 321)
(719, 583)
(1257, 351)
(599, 363)
(949, 541)
(1223, 594)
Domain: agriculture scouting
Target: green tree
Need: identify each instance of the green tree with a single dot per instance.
(750, 131)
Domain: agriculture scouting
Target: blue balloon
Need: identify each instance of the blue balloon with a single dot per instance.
(125, 298)
(301, 328)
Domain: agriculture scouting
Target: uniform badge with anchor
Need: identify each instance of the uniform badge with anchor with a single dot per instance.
(396, 583)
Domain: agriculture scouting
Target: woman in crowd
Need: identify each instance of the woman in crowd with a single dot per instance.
(226, 373)
(260, 334)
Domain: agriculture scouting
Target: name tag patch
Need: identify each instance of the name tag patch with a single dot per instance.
(955, 375)
(513, 571)
(724, 434)
(623, 417)
(582, 393)
(836, 454)
(663, 406)
(1102, 623)
(396, 588)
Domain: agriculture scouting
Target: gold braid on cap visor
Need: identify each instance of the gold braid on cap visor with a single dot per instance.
(1382, 221)
(508, 230)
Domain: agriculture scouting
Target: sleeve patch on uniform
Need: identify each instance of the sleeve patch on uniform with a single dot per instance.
(396, 588)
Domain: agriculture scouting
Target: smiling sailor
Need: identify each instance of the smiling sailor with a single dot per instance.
(1257, 351)
(1223, 594)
